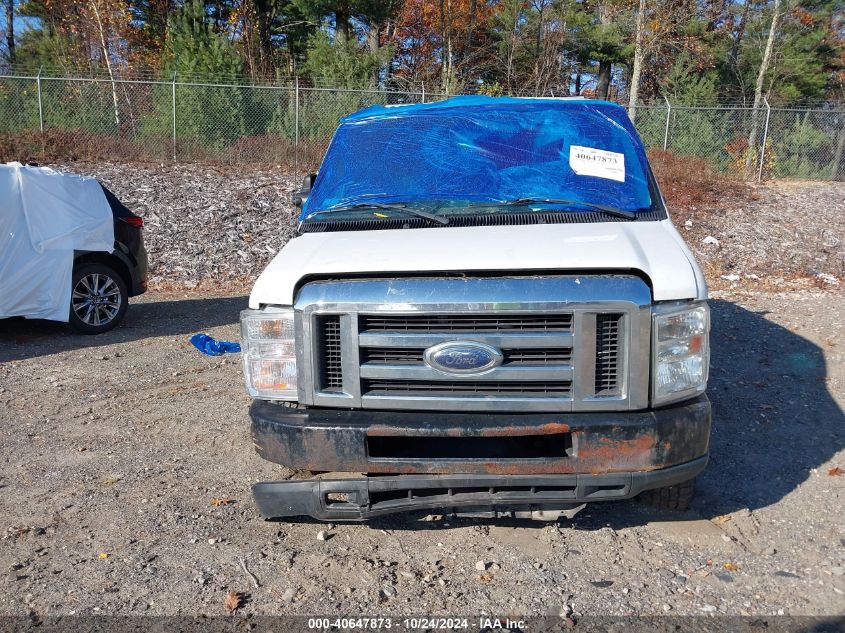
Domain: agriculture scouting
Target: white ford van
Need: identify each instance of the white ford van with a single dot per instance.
(487, 309)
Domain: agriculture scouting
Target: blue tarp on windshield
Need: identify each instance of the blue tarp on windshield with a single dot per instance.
(485, 149)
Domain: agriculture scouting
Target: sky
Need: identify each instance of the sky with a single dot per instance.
(21, 24)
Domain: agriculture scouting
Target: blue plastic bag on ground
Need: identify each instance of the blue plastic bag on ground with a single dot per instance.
(207, 345)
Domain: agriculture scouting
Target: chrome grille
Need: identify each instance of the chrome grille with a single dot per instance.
(608, 327)
(566, 343)
(331, 372)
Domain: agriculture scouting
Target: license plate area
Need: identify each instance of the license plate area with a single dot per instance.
(433, 448)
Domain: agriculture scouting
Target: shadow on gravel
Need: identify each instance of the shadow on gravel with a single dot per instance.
(773, 422)
(773, 418)
(24, 338)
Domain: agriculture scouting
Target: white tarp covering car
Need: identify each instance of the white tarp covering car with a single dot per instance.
(45, 216)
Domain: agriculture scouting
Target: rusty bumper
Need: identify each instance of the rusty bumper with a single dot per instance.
(392, 442)
(457, 461)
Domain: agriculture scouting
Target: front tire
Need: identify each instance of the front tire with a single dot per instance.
(677, 497)
(98, 299)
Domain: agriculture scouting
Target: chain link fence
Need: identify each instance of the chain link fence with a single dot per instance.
(774, 142)
(44, 118)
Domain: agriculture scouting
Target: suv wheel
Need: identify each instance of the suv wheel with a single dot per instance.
(98, 299)
(677, 497)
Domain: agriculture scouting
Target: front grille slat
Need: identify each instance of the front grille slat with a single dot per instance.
(392, 355)
(608, 327)
(550, 356)
(466, 388)
(467, 323)
(414, 356)
(331, 370)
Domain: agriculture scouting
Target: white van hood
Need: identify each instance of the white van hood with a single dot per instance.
(654, 248)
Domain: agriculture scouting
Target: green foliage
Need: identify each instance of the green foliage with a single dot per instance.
(78, 106)
(493, 89)
(579, 38)
(283, 121)
(319, 112)
(525, 46)
(651, 125)
(803, 150)
(289, 29)
(37, 48)
(807, 53)
(343, 65)
(704, 133)
(685, 85)
(18, 105)
(210, 116)
(193, 47)
(606, 42)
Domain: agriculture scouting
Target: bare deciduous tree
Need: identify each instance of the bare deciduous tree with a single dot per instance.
(639, 53)
(758, 88)
(107, 59)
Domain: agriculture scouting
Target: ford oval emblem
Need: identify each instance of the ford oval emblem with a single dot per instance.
(462, 357)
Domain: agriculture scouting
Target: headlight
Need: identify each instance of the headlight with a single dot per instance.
(269, 353)
(681, 352)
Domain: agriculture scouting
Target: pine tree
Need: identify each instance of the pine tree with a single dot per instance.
(206, 116)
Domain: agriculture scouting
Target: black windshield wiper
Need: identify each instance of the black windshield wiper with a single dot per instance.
(518, 202)
(391, 206)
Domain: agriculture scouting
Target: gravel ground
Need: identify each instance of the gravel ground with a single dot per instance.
(784, 231)
(113, 448)
(213, 225)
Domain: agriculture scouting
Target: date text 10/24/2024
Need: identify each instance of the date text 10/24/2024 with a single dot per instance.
(483, 623)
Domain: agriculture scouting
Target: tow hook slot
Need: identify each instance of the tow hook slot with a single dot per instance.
(341, 495)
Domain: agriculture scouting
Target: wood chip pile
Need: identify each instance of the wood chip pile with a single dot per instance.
(210, 226)
(204, 225)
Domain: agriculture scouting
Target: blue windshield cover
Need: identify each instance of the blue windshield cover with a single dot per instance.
(484, 149)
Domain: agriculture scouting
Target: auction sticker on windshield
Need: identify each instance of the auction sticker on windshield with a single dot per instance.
(588, 161)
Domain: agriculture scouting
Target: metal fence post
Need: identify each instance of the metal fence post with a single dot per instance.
(40, 107)
(423, 92)
(666, 131)
(296, 130)
(765, 138)
(173, 107)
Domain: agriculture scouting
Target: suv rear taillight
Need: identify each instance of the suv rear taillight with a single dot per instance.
(134, 220)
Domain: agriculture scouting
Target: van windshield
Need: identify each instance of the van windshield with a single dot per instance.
(453, 157)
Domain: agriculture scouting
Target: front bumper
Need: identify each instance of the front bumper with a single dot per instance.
(366, 497)
(458, 460)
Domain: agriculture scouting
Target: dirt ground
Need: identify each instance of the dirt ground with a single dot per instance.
(113, 448)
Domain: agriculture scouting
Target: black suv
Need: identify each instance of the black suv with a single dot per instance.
(103, 282)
